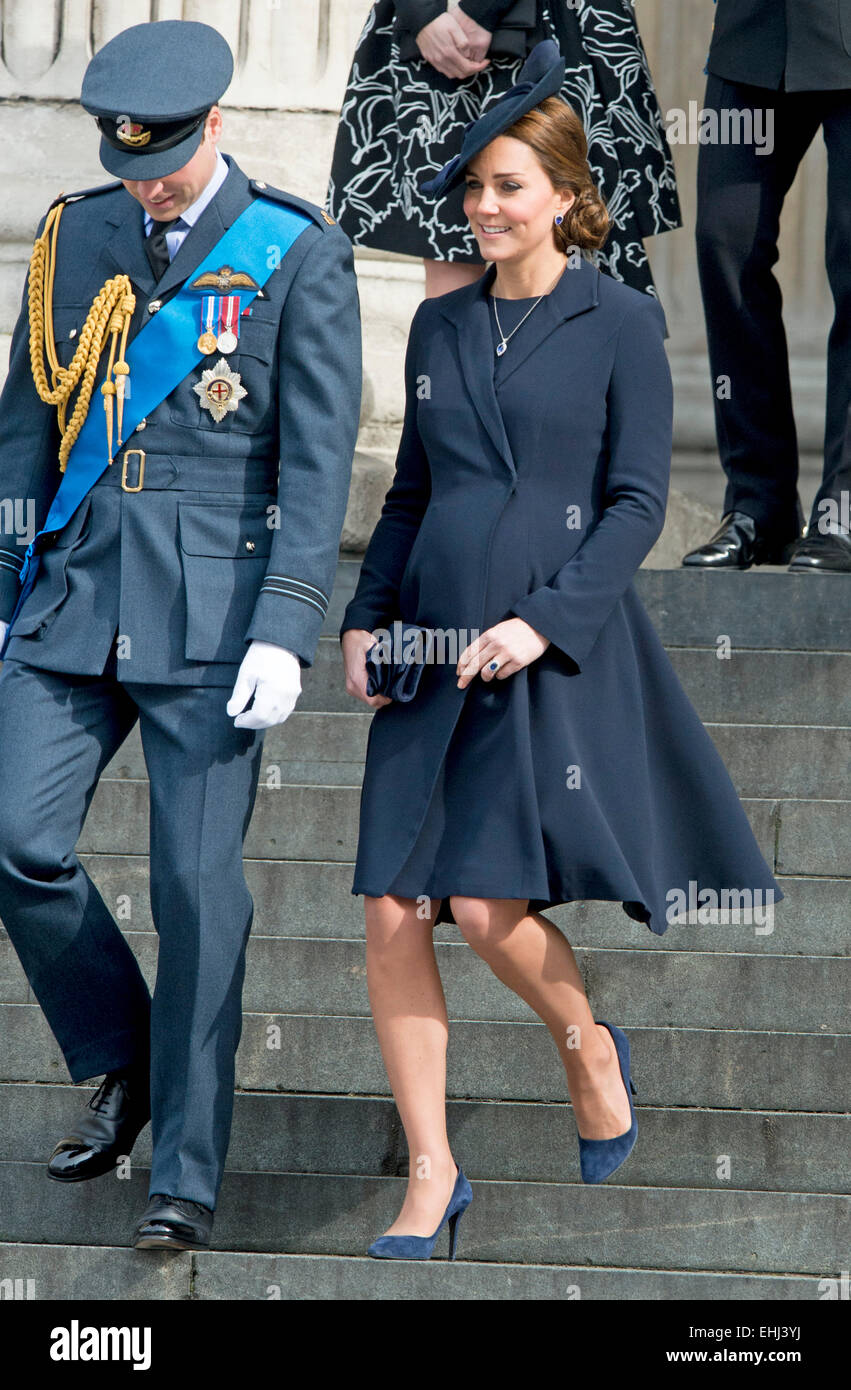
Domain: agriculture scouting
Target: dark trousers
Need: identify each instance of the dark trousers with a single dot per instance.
(740, 195)
(57, 733)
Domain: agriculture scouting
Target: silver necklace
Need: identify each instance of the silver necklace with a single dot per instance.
(504, 341)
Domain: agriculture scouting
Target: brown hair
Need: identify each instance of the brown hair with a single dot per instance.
(556, 134)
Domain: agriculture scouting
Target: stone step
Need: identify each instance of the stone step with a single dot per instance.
(755, 608)
(111, 1272)
(302, 897)
(310, 1053)
(764, 608)
(497, 1140)
(521, 1222)
(309, 822)
(668, 989)
(752, 687)
(763, 760)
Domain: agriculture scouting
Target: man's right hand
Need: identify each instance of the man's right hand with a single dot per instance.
(451, 47)
(356, 643)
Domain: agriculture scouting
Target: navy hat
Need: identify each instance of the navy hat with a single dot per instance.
(540, 76)
(150, 89)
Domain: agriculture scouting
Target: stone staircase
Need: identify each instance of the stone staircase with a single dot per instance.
(738, 1186)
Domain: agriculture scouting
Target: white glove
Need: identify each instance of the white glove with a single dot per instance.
(272, 674)
(4, 628)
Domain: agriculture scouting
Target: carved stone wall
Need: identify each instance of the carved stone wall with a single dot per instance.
(293, 59)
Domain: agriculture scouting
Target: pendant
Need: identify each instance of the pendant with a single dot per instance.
(220, 390)
(207, 343)
(500, 348)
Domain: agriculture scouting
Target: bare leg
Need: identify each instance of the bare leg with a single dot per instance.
(530, 955)
(409, 1011)
(443, 276)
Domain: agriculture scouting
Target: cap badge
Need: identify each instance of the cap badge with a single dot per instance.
(220, 390)
(131, 132)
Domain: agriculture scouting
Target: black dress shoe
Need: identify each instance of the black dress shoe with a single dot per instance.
(107, 1129)
(173, 1223)
(739, 543)
(822, 553)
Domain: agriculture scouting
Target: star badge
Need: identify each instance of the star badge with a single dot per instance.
(219, 390)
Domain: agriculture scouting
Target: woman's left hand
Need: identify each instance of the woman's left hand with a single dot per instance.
(513, 643)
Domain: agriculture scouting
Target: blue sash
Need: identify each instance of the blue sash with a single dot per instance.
(163, 353)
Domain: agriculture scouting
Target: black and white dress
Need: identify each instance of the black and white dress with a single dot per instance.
(401, 121)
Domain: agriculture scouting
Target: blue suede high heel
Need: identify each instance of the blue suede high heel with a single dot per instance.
(598, 1158)
(420, 1247)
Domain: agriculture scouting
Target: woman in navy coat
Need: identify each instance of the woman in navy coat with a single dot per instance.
(554, 757)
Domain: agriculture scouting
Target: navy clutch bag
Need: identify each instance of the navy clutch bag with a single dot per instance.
(395, 664)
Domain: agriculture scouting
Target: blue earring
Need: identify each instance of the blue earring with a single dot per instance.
(559, 220)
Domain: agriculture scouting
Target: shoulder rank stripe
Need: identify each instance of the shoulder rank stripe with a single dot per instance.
(87, 193)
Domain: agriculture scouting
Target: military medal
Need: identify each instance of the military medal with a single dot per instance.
(228, 338)
(207, 342)
(220, 390)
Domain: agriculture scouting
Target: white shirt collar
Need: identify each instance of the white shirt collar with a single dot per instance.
(193, 212)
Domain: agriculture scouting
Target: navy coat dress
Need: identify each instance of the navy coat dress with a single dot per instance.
(588, 773)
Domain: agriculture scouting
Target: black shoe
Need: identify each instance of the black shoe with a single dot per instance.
(739, 543)
(173, 1223)
(107, 1129)
(822, 553)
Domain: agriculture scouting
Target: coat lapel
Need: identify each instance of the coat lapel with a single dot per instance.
(125, 249)
(470, 311)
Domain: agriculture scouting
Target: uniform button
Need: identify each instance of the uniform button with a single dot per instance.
(154, 305)
(249, 545)
(258, 183)
(143, 424)
(73, 333)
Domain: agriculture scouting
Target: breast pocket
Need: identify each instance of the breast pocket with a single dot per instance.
(225, 553)
(221, 407)
(51, 586)
(68, 320)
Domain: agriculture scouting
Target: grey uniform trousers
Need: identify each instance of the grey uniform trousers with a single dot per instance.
(57, 733)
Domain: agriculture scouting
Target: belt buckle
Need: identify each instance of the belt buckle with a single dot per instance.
(141, 483)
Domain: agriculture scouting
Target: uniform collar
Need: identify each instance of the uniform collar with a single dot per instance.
(125, 249)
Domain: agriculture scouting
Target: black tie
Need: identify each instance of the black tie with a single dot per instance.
(156, 247)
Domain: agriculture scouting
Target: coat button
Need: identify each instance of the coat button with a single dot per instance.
(154, 305)
(73, 333)
(258, 183)
(249, 545)
(143, 424)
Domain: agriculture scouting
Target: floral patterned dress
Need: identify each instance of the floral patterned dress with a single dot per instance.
(401, 121)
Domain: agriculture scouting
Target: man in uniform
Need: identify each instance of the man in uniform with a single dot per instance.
(792, 60)
(189, 532)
